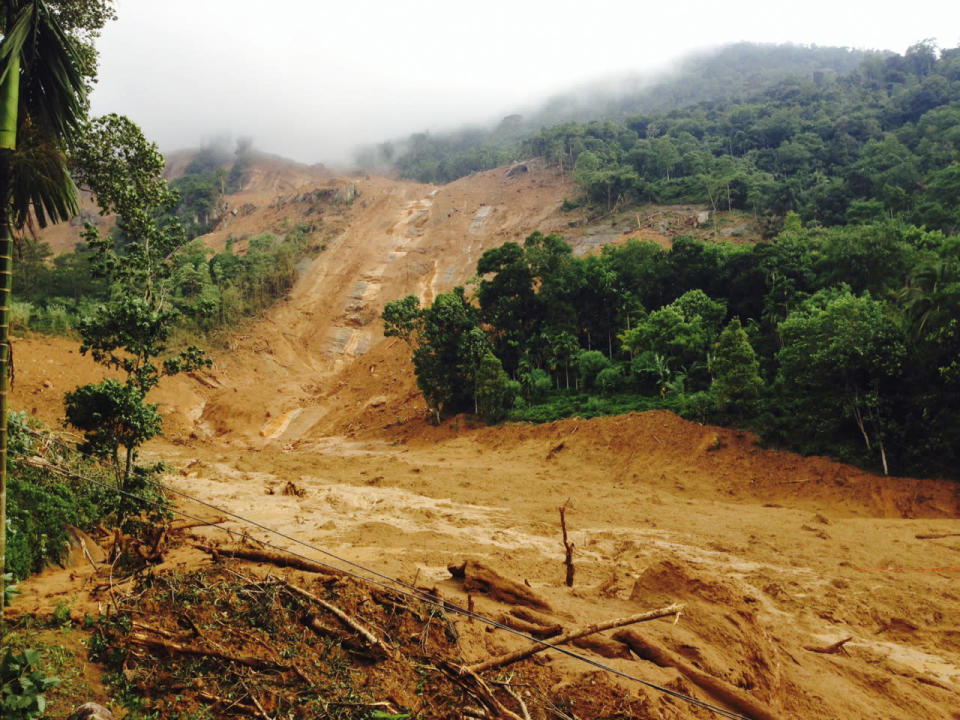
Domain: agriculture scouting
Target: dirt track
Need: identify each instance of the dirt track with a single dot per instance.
(772, 553)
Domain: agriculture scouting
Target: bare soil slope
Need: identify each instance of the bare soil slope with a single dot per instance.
(776, 556)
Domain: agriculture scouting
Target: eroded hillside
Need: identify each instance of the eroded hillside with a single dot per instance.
(776, 557)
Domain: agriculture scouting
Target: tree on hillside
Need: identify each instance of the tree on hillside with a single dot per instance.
(42, 97)
(128, 332)
(737, 386)
(843, 357)
(491, 393)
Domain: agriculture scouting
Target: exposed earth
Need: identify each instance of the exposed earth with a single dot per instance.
(775, 556)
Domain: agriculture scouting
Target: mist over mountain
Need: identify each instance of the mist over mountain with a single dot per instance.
(730, 74)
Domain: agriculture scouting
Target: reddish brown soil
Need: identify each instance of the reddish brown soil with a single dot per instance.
(771, 552)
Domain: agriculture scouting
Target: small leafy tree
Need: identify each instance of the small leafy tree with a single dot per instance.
(738, 385)
(42, 102)
(403, 319)
(843, 355)
(590, 363)
(130, 331)
(492, 389)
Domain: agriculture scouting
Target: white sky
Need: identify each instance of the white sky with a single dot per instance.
(310, 79)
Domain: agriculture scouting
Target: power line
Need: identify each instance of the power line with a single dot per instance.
(409, 591)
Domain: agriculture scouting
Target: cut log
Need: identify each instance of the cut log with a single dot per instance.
(531, 616)
(721, 690)
(518, 655)
(480, 578)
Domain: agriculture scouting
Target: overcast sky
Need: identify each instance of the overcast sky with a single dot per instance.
(310, 79)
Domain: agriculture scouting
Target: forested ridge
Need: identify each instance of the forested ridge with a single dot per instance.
(839, 335)
(836, 146)
(732, 74)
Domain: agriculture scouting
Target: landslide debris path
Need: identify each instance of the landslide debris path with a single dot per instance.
(776, 557)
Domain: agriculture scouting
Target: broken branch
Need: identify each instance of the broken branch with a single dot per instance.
(350, 622)
(176, 648)
(831, 649)
(530, 628)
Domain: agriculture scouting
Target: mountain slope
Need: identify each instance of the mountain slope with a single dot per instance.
(772, 553)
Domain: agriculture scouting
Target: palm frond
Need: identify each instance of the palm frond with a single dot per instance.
(42, 185)
(52, 91)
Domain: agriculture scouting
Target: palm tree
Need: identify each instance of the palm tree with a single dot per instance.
(43, 100)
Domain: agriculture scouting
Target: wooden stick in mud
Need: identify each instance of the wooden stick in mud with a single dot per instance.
(723, 691)
(518, 655)
(567, 545)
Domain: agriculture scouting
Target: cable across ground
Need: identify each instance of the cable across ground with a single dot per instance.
(382, 580)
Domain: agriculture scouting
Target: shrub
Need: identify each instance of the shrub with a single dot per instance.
(610, 380)
(21, 685)
(20, 313)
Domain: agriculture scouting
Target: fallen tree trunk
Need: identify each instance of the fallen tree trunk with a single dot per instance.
(721, 690)
(275, 558)
(479, 578)
(531, 616)
(518, 655)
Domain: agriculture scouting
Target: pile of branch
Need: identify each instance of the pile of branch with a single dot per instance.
(286, 644)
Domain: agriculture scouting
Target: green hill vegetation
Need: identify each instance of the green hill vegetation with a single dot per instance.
(733, 74)
(840, 335)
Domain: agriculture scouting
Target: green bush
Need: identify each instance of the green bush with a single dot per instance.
(20, 313)
(22, 683)
(40, 502)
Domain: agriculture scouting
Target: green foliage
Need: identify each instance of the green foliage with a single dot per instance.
(842, 355)
(402, 318)
(448, 350)
(40, 502)
(534, 384)
(111, 415)
(727, 76)
(610, 380)
(590, 363)
(738, 384)
(10, 590)
(22, 684)
(493, 400)
(849, 344)
(839, 335)
(130, 330)
(847, 148)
